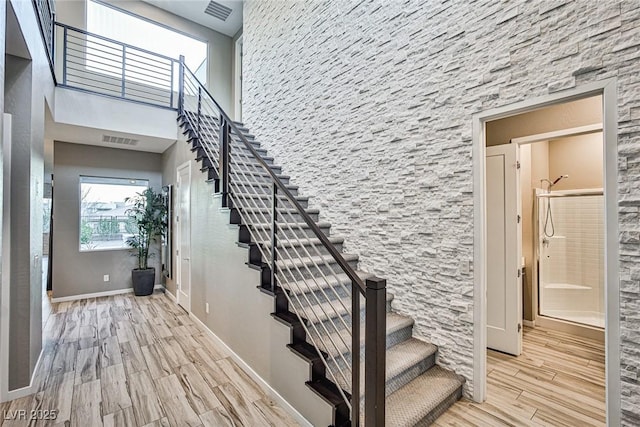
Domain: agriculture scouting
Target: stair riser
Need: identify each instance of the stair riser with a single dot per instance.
(265, 200)
(444, 405)
(335, 321)
(409, 374)
(318, 297)
(241, 149)
(260, 177)
(298, 251)
(392, 339)
(398, 381)
(265, 217)
(309, 271)
(213, 125)
(255, 188)
(295, 232)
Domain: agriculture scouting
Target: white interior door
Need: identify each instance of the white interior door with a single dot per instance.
(504, 250)
(183, 225)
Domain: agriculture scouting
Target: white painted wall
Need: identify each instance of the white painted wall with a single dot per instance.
(239, 312)
(97, 115)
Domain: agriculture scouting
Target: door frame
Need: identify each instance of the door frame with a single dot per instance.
(178, 264)
(608, 90)
(529, 140)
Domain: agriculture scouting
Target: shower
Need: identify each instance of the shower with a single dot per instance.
(570, 254)
(549, 229)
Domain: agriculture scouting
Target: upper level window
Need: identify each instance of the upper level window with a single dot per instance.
(104, 223)
(126, 28)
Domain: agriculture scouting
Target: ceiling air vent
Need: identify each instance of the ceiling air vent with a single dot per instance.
(119, 140)
(218, 10)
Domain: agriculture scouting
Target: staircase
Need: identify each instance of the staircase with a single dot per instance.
(310, 284)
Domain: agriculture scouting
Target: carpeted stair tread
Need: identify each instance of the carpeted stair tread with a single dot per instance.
(422, 400)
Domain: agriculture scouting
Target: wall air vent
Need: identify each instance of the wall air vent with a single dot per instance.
(218, 10)
(119, 140)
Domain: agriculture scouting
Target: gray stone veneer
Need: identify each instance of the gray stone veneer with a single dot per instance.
(368, 105)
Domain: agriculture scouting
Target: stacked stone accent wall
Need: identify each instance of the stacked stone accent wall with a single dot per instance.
(368, 105)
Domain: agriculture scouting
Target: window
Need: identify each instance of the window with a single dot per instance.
(121, 26)
(104, 223)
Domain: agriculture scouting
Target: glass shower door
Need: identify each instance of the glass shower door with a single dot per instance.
(571, 256)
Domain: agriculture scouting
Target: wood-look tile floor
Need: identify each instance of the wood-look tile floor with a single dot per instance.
(127, 361)
(558, 380)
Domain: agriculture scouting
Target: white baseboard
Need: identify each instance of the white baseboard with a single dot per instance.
(24, 391)
(529, 323)
(254, 375)
(171, 296)
(99, 294)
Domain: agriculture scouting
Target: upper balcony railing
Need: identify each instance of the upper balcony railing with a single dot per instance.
(93, 63)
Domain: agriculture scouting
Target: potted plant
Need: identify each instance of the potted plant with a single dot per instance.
(148, 214)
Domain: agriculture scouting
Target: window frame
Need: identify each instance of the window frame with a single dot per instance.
(124, 247)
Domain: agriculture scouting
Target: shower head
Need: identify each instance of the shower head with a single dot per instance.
(558, 179)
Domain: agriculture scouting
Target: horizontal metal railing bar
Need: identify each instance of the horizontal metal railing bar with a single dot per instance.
(138, 53)
(93, 88)
(146, 98)
(69, 27)
(145, 89)
(76, 69)
(73, 78)
(85, 42)
(132, 72)
(152, 66)
(89, 56)
(150, 100)
(158, 73)
(74, 60)
(85, 50)
(108, 95)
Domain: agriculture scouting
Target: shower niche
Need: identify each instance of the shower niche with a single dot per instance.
(570, 255)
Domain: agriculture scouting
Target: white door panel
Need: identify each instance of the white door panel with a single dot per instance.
(183, 219)
(504, 250)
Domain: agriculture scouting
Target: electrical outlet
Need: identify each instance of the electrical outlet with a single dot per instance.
(105, 278)
(206, 308)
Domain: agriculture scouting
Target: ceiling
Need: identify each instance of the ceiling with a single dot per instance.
(194, 10)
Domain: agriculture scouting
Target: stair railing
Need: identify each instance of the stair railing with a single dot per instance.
(300, 265)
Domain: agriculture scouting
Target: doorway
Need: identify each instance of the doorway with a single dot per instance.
(484, 315)
(183, 236)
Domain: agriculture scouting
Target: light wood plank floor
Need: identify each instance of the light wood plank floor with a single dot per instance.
(557, 381)
(127, 361)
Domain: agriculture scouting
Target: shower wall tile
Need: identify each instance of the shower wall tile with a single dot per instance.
(575, 254)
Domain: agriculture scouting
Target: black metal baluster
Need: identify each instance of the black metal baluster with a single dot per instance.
(355, 355)
(375, 351)
(224, 161)
(124, 61)
(198, 117)
(274, 237)
(64, 57)
(181, 85)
